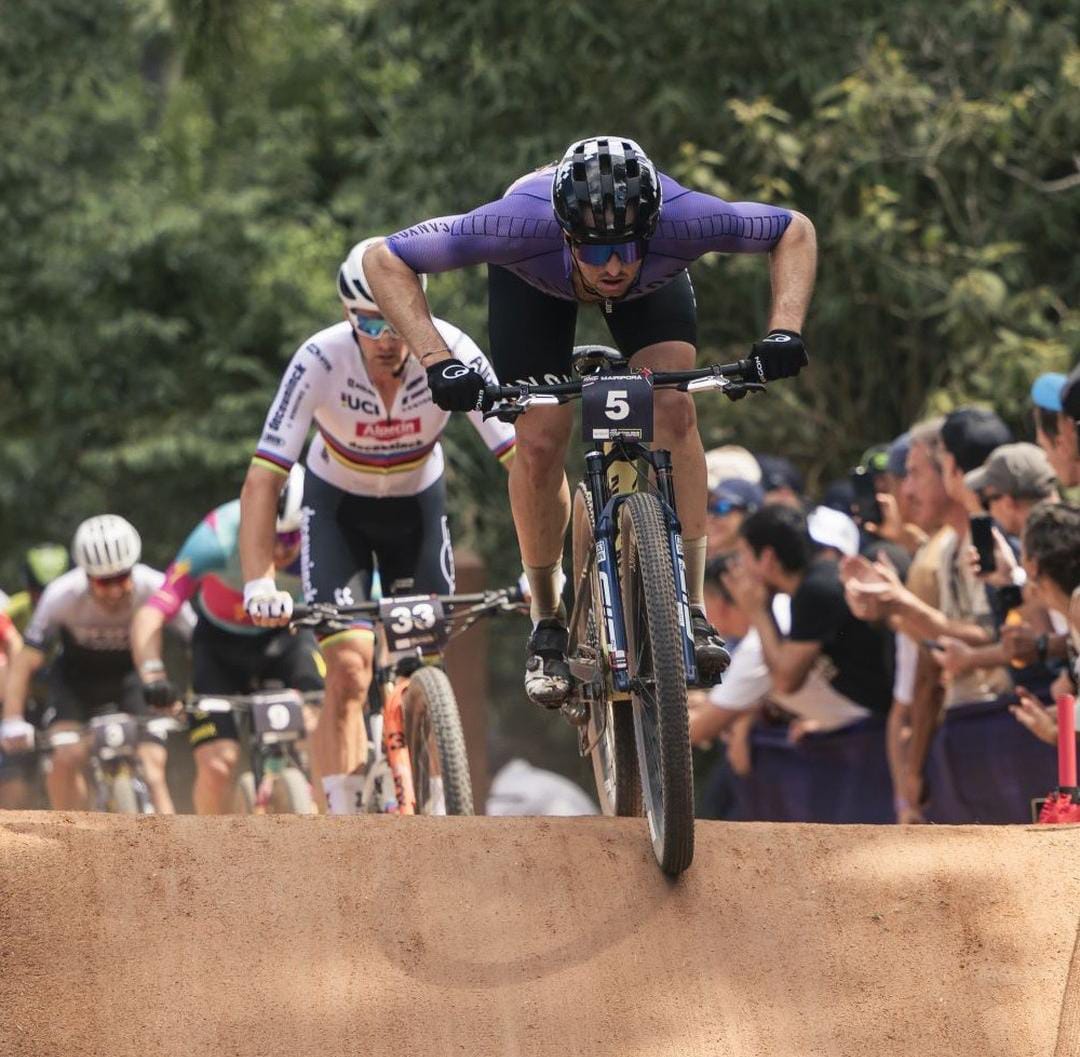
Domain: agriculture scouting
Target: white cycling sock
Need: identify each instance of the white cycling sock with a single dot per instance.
(694, 557)
(545, 586)
(344, 793)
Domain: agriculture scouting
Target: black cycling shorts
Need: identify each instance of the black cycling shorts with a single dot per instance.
(75, 697)
(531, 334)
(228, 663)
(346, 537)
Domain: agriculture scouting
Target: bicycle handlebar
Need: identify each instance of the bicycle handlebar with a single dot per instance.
(505, 598)
(736, 378)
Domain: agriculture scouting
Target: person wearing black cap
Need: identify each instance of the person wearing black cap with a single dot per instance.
(781, 481)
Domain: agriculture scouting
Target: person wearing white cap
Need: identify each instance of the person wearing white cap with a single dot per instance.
(834, 531)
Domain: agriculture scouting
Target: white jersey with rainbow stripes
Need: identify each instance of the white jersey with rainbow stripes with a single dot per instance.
(360, 446)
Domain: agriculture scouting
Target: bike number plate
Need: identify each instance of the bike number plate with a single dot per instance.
(114, 733)
(280, 714)
(414, 623)
(617, 407)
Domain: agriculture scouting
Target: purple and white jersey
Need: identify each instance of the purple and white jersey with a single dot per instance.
(519, 232)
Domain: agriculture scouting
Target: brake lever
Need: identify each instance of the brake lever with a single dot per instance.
(505, 413)
(737, 390)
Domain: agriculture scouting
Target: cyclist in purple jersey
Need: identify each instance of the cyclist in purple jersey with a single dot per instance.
(601, 227)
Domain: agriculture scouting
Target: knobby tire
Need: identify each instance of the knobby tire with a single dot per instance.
(655, 651)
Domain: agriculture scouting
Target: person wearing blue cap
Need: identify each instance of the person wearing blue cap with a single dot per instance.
(1056, 398)
(729, 504)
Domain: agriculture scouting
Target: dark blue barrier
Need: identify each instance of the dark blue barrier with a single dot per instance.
(983, 766)
(842, 776)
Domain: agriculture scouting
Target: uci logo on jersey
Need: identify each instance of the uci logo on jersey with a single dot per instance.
(358, 403)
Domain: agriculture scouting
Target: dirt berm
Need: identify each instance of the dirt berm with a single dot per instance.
(315, 937)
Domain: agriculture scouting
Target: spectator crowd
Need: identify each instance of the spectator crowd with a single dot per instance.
(897, 647)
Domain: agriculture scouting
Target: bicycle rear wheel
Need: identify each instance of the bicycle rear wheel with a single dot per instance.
(657, 671)
(436, 742)
(610, 727)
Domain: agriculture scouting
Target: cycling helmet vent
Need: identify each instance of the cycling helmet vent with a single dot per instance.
(606, 190)
(106, 545)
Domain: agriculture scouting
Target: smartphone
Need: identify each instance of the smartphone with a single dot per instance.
(982, 539)
(866, 507)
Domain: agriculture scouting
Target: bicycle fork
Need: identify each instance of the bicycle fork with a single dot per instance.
(613, 616)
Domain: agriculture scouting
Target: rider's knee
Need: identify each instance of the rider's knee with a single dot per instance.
(674, 413)
(540, 455)
(216, 762)
(348, 672)
(66, 759)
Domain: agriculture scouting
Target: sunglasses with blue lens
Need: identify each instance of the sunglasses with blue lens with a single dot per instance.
(598, 254)
(373, 327)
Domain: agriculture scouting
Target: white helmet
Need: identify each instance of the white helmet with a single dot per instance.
(353, 287)
(106, 545)
(290, 500)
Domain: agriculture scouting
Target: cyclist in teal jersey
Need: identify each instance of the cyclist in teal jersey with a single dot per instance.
(231, 655)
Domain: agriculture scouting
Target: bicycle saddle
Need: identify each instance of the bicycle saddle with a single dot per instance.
(597, 359)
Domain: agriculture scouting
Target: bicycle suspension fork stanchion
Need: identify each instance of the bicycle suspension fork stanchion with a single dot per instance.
(614, 629)
(665, 484)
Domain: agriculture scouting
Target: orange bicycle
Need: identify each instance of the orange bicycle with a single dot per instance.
(418, 764)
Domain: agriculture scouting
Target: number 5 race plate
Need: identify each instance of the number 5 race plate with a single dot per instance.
(617, 407)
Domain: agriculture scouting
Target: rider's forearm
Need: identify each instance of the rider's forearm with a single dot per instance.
(258, 517)
(27, 661)
(146, 628)
(792, 266)
(401, 300)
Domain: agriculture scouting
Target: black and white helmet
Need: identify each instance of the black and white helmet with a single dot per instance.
(291, 501)
(353, 288)
(605, 190)
(106, 545)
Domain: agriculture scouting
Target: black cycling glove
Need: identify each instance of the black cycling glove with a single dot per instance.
(160, 693)
(781, 354)
(455, 386)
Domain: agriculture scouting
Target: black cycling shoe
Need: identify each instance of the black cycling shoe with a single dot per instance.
(709, 653)
(547, 671)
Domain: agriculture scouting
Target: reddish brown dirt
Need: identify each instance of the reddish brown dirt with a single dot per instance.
(315, 937)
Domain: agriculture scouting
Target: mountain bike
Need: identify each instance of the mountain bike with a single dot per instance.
(270, 724)
(631, 648)
(417, 760)
(116, 777)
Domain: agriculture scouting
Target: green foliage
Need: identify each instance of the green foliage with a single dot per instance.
(180, 178)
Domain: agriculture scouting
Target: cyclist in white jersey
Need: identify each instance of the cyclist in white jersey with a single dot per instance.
(89, 609)
(374, 496)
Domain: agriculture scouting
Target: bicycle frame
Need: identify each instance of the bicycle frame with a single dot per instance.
(386, 713)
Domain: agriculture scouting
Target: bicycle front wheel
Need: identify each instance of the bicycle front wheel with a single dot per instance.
(658, 681)
(436, 742)
(292, 793)
(610, 727)
(124, 796)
